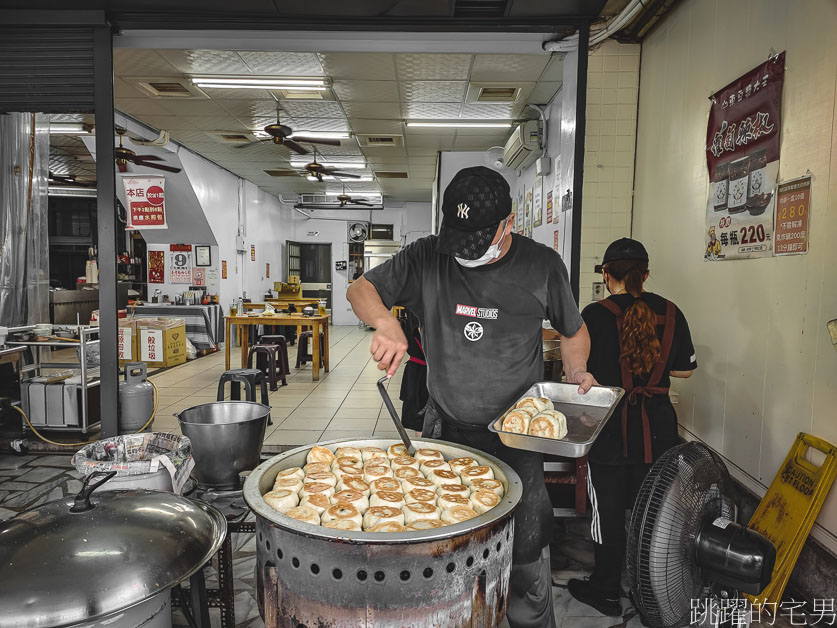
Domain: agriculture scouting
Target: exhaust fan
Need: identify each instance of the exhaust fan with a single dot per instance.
(358, 231)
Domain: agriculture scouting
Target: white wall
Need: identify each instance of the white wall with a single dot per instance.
(767, 369)
(609, 146)
(410, 221)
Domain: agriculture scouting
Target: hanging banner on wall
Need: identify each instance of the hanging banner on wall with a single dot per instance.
(267, 270)
(252, 252)
(516, 215)
(223, 269)
(527, 227)
(549, 207)
(793, 209)
(156, 267)
(181, 263)
(557, 242)
(146, 202)
(742, 155)
(521, 223)
(538, 202)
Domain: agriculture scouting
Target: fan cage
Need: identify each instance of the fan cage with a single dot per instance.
(685, 488)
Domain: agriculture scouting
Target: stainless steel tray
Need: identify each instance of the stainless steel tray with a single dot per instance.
(586, 416)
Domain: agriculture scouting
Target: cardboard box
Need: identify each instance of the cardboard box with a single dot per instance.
(162, 341)
(127, 341)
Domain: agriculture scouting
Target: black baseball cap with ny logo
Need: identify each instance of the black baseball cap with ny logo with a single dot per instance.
(475, 202)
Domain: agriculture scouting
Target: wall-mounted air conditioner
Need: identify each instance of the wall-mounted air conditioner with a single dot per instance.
(523, 146)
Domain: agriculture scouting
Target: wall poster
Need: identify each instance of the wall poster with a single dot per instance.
(156, 266)
(223, 269)
(521, 226)
(742, 155)
(516, 223)
(538, 202)
(549, 207)
(181, 263)
(198, 276)
(146, 199)
(557, 242)
(527, 227)
(793, 211)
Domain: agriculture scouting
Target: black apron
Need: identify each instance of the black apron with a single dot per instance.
(533, 515)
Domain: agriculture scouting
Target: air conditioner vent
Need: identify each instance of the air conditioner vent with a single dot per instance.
(391, 175)
(282, 173)
(498, 94)
(374, 140)
(165, 86)
(234, 137)
(169, 89)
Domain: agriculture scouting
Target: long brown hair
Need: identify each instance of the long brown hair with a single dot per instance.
(638, 340)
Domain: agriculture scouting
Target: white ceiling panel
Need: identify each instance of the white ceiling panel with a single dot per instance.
(508, 67)
(189, 107)
(428, 140)
(366, 91)
(123, 89)
(282, 63)
(472, 142)
(395, 153)
(145, 106)
(544, 92)
(439, 67)
(169, 123)
(320, 124)
(430, 110)
(217, 123)
(206, 61)
(495, 111)
(373, 126)
(238, 94)
(359, 66)
(133, 62)
(372, 110)
(187, 137)
(421, 155)
(433, 91)
(246, 108)
(312, 108)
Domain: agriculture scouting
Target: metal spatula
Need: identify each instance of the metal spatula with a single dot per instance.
(395, 418)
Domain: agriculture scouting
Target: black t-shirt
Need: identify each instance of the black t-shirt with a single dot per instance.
(481, 327)
(605, 366)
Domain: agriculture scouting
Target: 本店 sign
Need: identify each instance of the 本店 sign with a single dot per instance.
(793, 209)
(742, 156)
(146, 199)
(181, 263)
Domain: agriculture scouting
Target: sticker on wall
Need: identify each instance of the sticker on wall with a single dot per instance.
(146, 199)
(538, 205)
(516, 215)
(742, 157)
(527, 214)
(198, 276)
(521, 222)
(156, 266)
(252, 252)
(223, 269)
(212, 276)
(340, 265)
(181, 263)
(557, 242)
(267, 271)
(549, 207)
(793, 209)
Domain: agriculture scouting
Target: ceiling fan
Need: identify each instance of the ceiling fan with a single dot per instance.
(281, 134)
(345, 199)
(124, 155)
(68, 179)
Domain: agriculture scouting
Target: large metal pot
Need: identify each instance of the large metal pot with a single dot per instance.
(226, 440)
(109, 559)
(453, 576)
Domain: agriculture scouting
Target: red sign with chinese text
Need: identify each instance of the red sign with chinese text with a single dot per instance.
(746, 115)
(793, 209)
(146, 200)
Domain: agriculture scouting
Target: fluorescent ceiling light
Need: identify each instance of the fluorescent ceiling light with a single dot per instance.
(462, 125)
(260, 86)
(331, 164)
(325, 135)
(233, 81)
(67, 128)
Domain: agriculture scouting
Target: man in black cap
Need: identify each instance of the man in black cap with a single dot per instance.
(482, 294)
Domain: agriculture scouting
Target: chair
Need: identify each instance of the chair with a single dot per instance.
(283, 345)
(250, 378)
(267, 362)
(303, 356)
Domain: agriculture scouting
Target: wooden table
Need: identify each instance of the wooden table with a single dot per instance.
(282, 304)
(317, 323)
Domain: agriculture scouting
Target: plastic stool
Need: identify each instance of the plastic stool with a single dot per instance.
(250, 378)
(283, 345)
(302, 354)
(267, 363)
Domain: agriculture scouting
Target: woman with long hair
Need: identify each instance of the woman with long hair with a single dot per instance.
(639, 340)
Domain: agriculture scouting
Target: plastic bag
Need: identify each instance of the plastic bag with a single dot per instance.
(191, 351)
(137, 454)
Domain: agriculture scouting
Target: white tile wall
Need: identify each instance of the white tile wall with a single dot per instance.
(612, 86)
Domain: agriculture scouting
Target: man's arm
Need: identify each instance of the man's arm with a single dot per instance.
(681, 374)
(575, 350)
(389, 344)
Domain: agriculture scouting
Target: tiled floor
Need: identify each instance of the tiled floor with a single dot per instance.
(344, 403)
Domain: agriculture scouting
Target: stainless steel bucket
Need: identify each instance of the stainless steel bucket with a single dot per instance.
(226, 440)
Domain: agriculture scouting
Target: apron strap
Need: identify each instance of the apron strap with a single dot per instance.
(652, 387)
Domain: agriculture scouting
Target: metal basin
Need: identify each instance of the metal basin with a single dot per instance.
(226, 440)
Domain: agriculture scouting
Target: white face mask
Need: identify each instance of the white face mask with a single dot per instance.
(490, 255)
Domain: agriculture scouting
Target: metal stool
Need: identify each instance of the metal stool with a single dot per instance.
(266, 362)
(250, 378)
(302, 354)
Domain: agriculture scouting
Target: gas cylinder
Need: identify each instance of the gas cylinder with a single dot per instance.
(136, 399)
